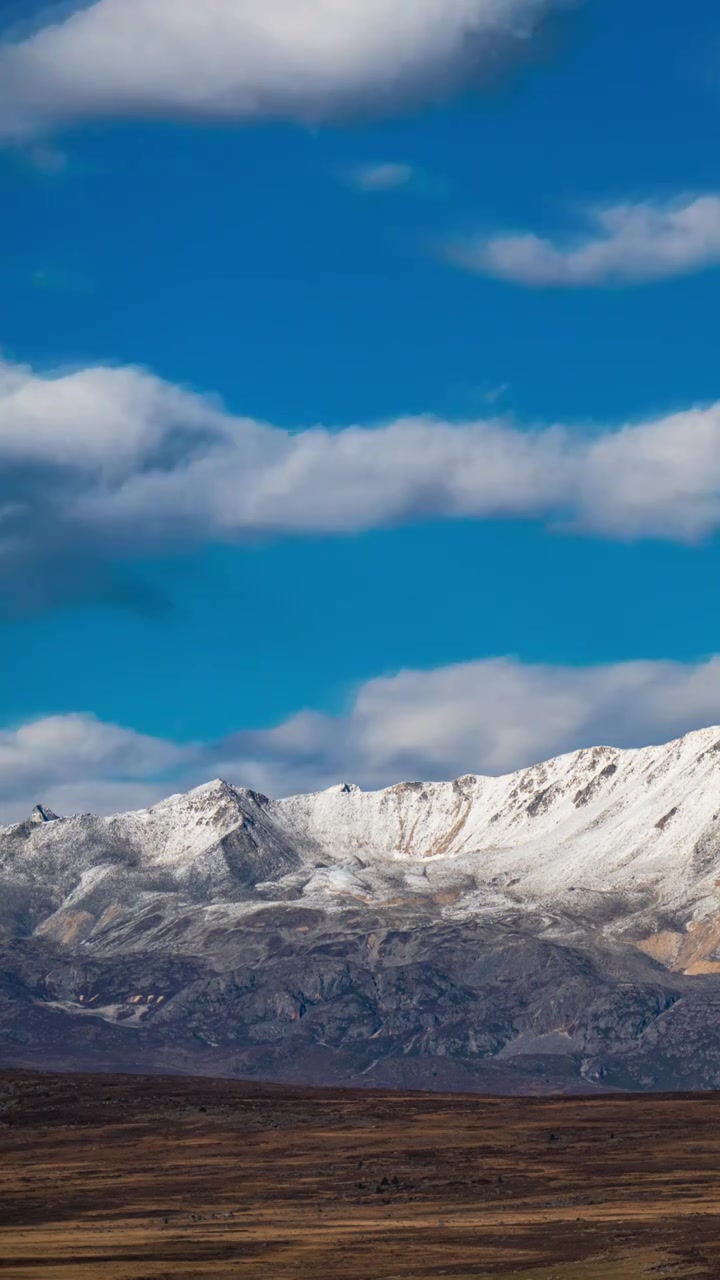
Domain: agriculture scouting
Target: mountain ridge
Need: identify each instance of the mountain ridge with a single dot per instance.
(556, 927)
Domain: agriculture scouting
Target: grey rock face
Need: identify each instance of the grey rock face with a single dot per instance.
(385, 939)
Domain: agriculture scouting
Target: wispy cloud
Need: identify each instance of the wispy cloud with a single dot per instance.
(304, 60)
(380, 177)
(624, 244)
(491, 395)
(490, 716)
(119, 461)
(48, 160)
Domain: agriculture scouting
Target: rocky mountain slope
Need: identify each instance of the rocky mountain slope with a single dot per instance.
(557, 928)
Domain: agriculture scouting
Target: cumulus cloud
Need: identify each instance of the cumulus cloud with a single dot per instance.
(490, 716)
(301, 60)
(623, 244)
(107, 462)
(58, 752)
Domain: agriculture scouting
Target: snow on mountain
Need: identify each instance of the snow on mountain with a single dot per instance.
(560, 924)
(627, 840)
(595, 821)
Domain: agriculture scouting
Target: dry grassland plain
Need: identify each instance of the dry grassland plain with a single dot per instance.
(136, 1178)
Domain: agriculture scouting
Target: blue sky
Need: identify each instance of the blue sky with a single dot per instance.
(271, 259)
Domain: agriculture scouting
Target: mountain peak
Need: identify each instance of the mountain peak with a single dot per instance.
(215, 786)
(536, 900)
(41, 813)
(219, 789)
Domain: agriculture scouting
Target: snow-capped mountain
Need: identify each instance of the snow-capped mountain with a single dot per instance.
(474, 924)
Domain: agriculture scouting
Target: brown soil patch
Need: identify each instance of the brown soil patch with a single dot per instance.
(686, 952)
(123, 1178)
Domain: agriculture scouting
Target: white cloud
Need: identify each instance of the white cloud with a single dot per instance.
(290, 59)
(490, 716)
(381, 177)
(116, 460)
(106, 421)
(60, 751)
(624, 244)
